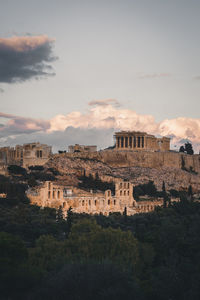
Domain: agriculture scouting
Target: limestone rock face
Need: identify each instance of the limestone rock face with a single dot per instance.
(176, 169)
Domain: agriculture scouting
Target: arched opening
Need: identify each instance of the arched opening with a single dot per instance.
(49, 194)
(58, 194)
(108, 201)
(83, 202)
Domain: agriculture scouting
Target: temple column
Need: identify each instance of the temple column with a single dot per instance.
(142, 142)
(138, 141)
(122, 142)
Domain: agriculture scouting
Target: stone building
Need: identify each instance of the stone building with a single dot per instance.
(136, 140)
(81, 148)
(25, 155)
(52, 194)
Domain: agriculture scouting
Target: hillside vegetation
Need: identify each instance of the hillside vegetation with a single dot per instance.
(146, 256)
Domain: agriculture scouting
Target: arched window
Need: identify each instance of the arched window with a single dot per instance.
(58, 194)
(124, 193)
(53, 194)
(95, 202)
(114, 202)
(120, 193)
(89, 202)
(49, 194)
(108, 201)
(83, 202)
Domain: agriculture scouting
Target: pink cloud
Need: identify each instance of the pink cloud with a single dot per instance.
(24, 43)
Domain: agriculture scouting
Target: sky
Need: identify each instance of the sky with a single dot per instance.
(75, 71)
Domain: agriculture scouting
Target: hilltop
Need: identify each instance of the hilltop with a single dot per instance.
(177, 170)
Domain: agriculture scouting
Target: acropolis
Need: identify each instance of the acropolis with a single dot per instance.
(136, 140)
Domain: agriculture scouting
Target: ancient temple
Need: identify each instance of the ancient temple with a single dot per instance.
(136, 140)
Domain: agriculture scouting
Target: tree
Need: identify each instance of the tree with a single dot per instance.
(69, 220)
(182, 149)
(16, 170)
(188, 148)
(190, 193)
(165, 197)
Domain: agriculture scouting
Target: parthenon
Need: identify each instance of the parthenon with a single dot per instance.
(136, 140)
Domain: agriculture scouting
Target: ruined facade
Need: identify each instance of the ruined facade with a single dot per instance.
(57, 196)
(25, 155)
(136, 140)
(81, 148)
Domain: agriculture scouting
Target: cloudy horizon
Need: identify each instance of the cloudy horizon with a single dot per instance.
(74, 71)
(95, 126)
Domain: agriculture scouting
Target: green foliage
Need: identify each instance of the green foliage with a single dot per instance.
(36, 168)
(145, 256)
(89, 182)
(145, 189)
(16, 170)
(187, 148)
(89, 281)
(182, 149)
(89, 241)
(174, 193)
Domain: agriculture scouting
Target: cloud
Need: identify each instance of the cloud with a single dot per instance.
(104, 102)
(26, 57)
(96, 126)
(153, 75)
(107, 117)
(20, 125)
(104, 116)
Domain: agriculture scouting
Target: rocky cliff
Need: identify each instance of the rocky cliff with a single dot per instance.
(176, 169)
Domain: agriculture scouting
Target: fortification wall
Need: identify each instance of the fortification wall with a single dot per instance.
(144, 159)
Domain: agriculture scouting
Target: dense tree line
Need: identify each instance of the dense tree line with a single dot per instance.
(95, 183)
(152, 256)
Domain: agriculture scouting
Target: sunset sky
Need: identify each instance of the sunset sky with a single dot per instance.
(74, 71)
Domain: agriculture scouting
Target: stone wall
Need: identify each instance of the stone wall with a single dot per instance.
(145, 159)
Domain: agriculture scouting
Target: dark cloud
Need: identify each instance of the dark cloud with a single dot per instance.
(20, 125)
(23, 58)
(104, 102)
